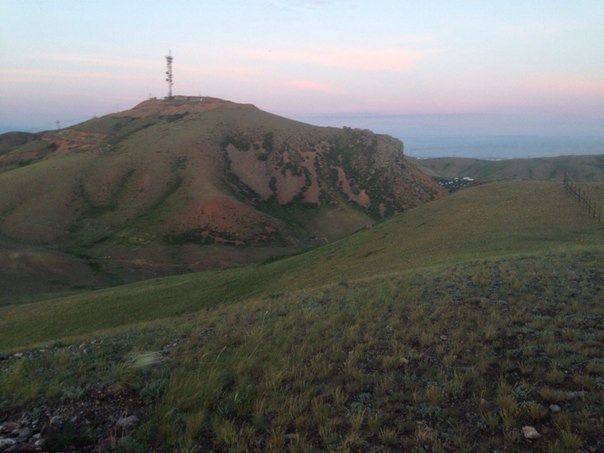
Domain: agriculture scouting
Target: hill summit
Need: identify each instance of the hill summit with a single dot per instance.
(191, 183)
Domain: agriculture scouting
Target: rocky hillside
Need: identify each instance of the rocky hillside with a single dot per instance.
(188, 184)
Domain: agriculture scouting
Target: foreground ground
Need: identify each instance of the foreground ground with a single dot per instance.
(490, 339)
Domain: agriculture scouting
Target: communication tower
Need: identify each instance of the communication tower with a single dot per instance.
(169, 79)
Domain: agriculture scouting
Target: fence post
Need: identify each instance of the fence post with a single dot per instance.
(593, 209)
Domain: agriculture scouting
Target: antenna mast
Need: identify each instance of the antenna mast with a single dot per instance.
(169, 79)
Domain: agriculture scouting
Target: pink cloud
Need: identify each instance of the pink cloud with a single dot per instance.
(311, 85)
(365, 59)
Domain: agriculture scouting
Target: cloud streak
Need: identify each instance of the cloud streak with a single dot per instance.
(386, 59)
(113, 63)
(311, 85)
(54, 77)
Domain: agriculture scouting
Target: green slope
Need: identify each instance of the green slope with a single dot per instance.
(189, 185)
(451, 327)
(499, 219)
(578, 168)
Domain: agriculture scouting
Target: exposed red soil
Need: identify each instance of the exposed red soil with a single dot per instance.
(71, 140)
(223, 219)
(361, 197)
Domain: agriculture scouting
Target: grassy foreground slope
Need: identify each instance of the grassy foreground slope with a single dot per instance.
(491, 220)
(452, 327)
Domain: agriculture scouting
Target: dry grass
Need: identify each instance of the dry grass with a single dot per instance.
(340, 349)
(314, 368)
(505, 219)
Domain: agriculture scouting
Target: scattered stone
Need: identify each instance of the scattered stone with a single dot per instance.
(444, 337)
(9, 428)
(56, 422)
(127, 422)
(530, 433)
(291, 436)
(554, 408)
(18, 355)
(5, 443)
(573, 395)
(24, 435)
(33, 429)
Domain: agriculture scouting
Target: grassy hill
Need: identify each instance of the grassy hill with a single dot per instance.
(186, 184)
(451, 326)
(492, 220)
(578, 168)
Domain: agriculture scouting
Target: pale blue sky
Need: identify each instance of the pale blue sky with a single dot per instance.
(528, 62)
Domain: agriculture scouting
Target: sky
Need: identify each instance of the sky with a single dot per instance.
(411, 68)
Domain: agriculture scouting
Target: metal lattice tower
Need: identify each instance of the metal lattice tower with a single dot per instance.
(169, 78)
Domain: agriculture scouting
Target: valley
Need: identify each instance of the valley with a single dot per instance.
(463, 320)
(301, 226)
(341, 299)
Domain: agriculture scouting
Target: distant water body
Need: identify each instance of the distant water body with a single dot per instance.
(477, 135)
(483, 136)
(502, 147)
